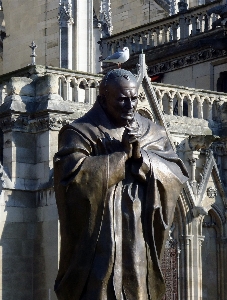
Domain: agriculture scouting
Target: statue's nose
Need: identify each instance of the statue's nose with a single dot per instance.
(129, 103)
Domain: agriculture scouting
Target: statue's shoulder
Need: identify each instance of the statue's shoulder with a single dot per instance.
(148, 124)
(83, 126)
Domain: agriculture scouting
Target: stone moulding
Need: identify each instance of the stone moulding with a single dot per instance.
(33, 125)
(185, 61)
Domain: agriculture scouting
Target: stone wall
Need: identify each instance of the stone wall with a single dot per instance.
(128, 14)
(27, 21)
(29, 219)
(200, 76)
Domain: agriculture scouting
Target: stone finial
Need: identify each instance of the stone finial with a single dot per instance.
(33, 46)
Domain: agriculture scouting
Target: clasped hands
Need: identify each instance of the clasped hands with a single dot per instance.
(130, 140)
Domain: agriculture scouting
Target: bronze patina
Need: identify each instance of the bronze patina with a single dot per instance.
(117, 181)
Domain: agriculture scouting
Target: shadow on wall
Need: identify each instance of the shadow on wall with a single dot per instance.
(29, 246)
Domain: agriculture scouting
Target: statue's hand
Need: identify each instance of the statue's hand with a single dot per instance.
(131, 141)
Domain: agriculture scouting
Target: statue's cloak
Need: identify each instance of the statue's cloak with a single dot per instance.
(92, 182)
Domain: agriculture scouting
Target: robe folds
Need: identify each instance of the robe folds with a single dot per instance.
(115, 214)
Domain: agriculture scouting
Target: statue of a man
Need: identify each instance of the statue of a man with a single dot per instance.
(117, 181)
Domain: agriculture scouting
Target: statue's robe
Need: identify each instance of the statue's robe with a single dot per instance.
(114, 214)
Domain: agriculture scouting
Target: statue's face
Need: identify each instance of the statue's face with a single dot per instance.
(121, 101)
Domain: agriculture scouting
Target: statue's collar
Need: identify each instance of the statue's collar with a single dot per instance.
(99, 118)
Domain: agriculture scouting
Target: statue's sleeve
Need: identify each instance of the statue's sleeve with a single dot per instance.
(80, 163)
(82, 179)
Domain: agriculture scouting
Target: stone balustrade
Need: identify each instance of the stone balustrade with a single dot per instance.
(177, 27)
(189, 102)
(71, 85)
(81, 89)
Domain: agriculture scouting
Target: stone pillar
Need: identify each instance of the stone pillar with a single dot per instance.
(83, 36)
(190, 109)
(198, 212)
(170, 106)
(65, 23)
(189, 269)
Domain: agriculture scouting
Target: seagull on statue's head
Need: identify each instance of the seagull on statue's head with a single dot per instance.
(118, 57)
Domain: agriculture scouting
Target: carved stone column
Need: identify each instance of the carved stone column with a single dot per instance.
(199, 214)
(189, 265)
(65, 23)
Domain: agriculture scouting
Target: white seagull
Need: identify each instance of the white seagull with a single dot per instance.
(118, 57)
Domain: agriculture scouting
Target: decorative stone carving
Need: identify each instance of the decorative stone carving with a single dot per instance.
(66, 21)
(105, 18)
(142, 96)
(212, 192)
(26, 124)
(199, 211)
(185, 61)
(65, 13)
(201, 141)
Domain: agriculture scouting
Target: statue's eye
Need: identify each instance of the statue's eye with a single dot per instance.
(121, 99)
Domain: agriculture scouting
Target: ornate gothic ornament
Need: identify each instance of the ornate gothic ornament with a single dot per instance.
(212, 192)
(185, 61)
(65, 13)
(38, 124)
(142, 96)
(105, 18)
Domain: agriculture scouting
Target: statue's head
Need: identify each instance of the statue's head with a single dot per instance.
(118, 96)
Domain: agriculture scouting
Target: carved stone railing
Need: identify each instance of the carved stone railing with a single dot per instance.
(180, 26)
(71, 85)
(189, 102)
(82, 88)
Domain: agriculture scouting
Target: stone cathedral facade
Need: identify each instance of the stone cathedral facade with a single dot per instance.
(178, 51)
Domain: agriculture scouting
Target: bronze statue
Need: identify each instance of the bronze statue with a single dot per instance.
(117, 181)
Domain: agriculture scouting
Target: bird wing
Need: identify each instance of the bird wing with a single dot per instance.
(116, 55)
